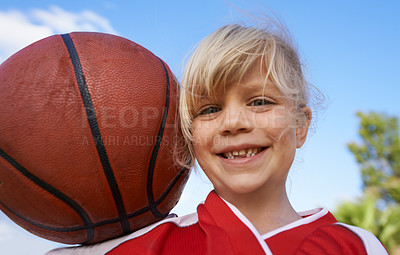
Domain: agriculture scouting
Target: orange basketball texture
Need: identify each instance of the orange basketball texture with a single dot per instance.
(86, 138)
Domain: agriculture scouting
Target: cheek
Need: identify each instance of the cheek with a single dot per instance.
(196, 133)
(288, 139)
(276, 118)
(275, 123)
(287, 146)
(205, 135)
(200, 142)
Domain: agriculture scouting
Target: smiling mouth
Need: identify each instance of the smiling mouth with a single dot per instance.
(245, 153)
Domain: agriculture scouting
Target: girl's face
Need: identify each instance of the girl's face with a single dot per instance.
(245, 139)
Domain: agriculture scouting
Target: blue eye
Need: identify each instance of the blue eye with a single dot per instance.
(209, 110)
(260, 102)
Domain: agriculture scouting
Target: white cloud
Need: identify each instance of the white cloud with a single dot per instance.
(62, 21)
(19, 29)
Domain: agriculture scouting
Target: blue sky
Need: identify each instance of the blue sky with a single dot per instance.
(350, 50)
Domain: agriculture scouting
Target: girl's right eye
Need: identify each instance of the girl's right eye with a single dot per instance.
(209, 110)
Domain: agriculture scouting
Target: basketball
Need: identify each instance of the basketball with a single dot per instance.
(86, 138)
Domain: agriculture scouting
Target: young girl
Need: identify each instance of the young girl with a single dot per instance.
(244, 113)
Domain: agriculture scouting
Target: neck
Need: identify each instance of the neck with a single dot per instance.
(265, 212)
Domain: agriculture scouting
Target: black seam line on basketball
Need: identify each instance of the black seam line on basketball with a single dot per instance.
(55, 192)
(133, 215)
(68, 229)
(153, 158)
(94, 127)
(78, 228)
(129, 216)
(171, 185)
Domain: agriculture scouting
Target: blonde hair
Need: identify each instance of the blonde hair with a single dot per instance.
(224, 57)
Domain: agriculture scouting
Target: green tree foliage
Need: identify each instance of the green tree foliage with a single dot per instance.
(378, 156)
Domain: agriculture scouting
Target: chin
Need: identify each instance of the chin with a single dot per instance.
(243, 187)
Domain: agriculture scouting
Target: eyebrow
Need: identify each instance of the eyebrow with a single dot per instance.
(269, 88)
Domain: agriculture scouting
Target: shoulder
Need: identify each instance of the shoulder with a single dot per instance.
(342, 239)
(141, 238)
(371, 243)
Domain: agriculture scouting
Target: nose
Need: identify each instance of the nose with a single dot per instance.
(235, 120)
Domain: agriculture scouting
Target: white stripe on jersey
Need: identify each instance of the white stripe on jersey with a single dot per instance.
(371, 243)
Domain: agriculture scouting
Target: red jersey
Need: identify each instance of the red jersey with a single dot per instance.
(220, 228)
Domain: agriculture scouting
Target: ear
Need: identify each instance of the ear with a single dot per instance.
(303, 125)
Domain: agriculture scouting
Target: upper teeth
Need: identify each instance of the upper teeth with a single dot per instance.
(242, 153)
